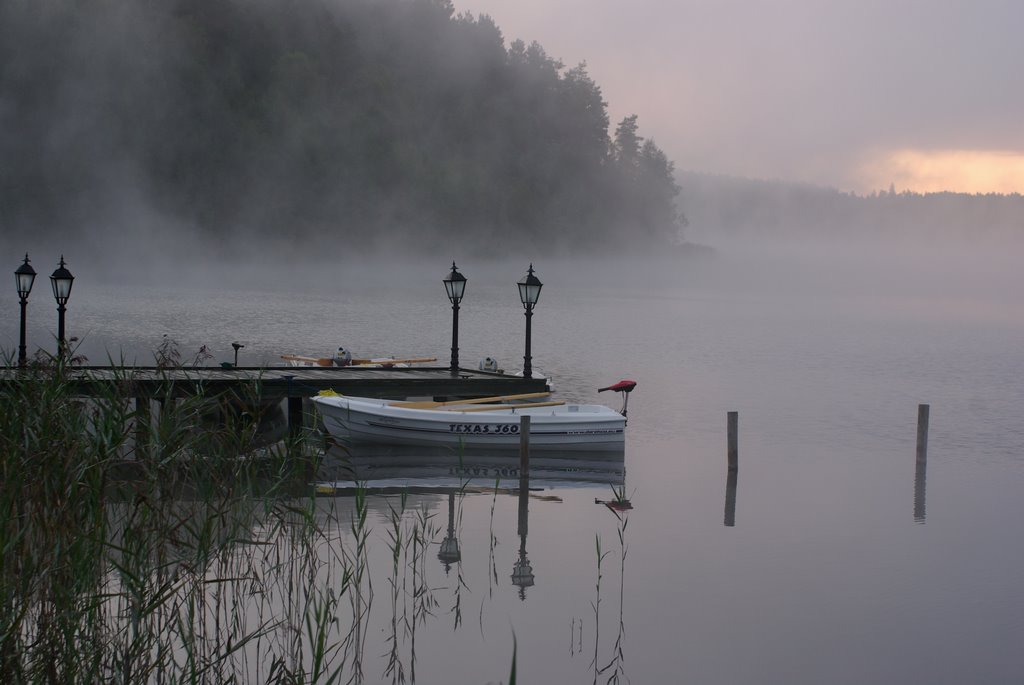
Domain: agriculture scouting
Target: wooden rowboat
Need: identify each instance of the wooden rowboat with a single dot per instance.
(484, 423)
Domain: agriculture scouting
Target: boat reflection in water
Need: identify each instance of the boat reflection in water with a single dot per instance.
(397, 467)
(404, 487)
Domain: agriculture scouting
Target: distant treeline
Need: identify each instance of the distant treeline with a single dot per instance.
(736, 207)
(348, 122)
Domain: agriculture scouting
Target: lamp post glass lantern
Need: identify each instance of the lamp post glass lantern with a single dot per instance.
(529, 293)
(61, 280)
(455, 286)
(24, 277)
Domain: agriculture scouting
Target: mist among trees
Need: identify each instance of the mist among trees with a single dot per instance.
(341, 123)
(757, 210)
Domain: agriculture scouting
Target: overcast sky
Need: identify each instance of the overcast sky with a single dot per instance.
(855, 94)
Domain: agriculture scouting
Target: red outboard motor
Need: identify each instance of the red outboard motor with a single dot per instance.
(625, 387)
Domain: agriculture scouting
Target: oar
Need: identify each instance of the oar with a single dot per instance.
(496, 407)
(319, 361)
(388, 362)
(478, 400)
(327, 361)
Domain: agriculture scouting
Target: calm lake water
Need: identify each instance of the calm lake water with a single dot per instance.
(842, 565)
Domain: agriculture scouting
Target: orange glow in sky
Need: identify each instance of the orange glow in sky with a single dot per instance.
(962, 171)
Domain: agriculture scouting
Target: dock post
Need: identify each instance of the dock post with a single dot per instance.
(922, 432)
(143, 425)
(294, 411)
(733, 429)
(524, 446)
(921, 465)
(295, 416)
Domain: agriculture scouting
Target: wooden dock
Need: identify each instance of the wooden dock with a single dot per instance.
(275, 383)
(297, 381)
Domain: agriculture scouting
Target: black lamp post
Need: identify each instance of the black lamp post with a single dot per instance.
(455, 285)
(529, 293)
(24, 277)
(61, 280)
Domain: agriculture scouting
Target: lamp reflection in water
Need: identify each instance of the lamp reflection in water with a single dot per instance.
(449, 553)
(522, 570)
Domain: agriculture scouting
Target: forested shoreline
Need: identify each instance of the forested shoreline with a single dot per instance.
(347, 123)
(748, 209)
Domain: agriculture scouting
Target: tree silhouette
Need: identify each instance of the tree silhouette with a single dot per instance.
(363, 120)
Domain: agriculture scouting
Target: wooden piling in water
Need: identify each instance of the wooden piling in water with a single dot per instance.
(733, 430)
(143, 425)
(921, 468)
(294, 410)
(524, 446)
(295, 416)
(922, 432)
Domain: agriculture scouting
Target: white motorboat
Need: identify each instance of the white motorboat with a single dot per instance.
(472, 423)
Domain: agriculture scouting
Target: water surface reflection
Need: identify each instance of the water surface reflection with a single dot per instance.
(920, 489)
(399, 466)
(406, 488)
(731, 482)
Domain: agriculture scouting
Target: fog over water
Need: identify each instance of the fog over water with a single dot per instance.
(835, 559)
(839, 567)
(915, 278)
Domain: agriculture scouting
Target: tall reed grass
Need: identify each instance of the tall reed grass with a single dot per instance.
(137, 547)
(141, 546)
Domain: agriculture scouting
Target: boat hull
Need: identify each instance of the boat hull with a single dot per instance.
(564, 427)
